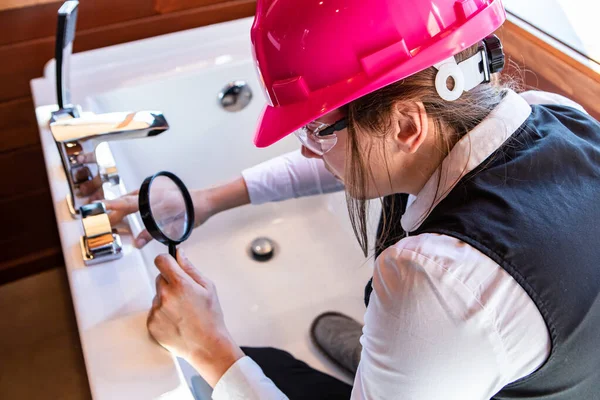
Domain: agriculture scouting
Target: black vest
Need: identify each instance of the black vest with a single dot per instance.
(534, 208)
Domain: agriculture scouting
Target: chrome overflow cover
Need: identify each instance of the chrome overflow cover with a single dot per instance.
(235, 96)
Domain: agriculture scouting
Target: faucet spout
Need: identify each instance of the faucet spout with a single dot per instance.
(108, 127)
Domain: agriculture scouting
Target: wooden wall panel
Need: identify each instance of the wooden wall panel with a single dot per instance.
(27, 62)
(31, 220)
(24, 172)
(18, 126)
(32, 230)
(9, 4)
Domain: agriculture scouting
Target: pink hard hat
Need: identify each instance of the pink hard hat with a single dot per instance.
(314, 56)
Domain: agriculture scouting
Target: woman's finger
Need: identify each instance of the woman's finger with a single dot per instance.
(142, 239)
(159, 281)
(161, 289)
(127, 204)
(156, 302)
(121, 207)
(169, 269)
(115, 217)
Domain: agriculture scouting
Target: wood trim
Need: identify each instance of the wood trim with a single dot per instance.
(30, 57)
(572, 78)
(168, 6)
(541, 40)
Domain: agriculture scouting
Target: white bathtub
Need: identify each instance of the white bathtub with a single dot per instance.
(318, 265)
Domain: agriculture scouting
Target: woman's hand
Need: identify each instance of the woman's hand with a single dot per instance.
(207, 202)
(187, 320)
(129, 203)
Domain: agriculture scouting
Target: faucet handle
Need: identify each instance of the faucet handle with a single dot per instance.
(100, 242)
(65, 35)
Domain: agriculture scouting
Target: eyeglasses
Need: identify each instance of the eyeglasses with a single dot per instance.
(319, 137)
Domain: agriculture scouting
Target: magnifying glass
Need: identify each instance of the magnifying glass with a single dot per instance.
(167, 209)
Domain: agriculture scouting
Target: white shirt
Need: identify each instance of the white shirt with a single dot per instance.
(444, 320)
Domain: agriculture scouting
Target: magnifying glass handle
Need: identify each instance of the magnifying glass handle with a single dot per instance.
(173, 250)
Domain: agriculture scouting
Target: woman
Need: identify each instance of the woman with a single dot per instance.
(486, 281)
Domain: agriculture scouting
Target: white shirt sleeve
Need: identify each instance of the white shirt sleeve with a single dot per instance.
(289, 176)
(245, 380)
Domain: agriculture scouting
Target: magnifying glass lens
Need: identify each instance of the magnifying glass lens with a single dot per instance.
(168, 207)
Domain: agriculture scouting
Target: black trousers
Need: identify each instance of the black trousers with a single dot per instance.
(295, 378)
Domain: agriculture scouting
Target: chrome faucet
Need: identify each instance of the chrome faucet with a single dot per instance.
(79, 136)
(88, 166)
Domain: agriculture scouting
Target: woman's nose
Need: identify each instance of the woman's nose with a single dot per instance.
(309, 154)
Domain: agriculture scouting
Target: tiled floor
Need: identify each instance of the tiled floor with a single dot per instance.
(40, 353)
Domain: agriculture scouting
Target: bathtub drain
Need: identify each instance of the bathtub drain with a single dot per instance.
(262, 249)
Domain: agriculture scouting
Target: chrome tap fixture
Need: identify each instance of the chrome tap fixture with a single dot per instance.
(87, 165)
(81, 137)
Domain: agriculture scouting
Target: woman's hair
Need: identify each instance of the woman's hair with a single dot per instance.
(373, 114)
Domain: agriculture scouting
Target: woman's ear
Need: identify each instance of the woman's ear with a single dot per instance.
(412, 126)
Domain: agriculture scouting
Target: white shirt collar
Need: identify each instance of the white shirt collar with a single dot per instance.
(470, 151)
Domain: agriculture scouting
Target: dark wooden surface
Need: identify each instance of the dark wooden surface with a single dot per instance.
(29, 239)
(18, 126)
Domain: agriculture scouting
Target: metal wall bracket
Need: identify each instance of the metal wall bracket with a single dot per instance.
(100, 242)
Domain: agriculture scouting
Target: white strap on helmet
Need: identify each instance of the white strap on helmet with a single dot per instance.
(466, 75)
